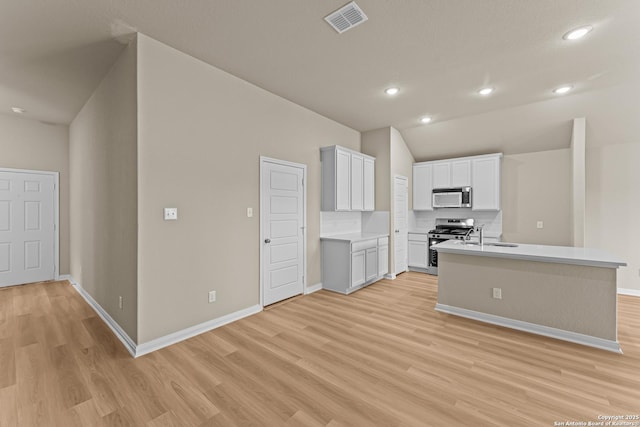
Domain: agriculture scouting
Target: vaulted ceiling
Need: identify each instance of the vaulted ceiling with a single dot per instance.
(438, 52)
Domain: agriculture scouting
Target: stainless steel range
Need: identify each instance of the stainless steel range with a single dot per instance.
(447, 229)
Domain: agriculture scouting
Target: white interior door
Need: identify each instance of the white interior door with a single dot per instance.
(27, 227)
(400, 223)
(283, 230)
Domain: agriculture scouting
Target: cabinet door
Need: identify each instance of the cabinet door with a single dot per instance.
(461, 173)
(369, 184)
(486, 184)
(383, 260)
(358, 261)
(357, 182)
(371, 265)
(442, 175)
(422, 187)
(343, 178)
(418, 252)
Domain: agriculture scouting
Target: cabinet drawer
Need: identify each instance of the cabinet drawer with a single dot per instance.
(382, 241)
(367, 244)
(418, 237)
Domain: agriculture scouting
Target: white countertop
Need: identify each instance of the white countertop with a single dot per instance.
(541, 253)
(354, 237)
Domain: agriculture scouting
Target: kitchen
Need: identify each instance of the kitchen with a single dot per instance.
(162, 129)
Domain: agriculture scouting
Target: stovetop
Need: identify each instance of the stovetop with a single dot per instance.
(452, 228)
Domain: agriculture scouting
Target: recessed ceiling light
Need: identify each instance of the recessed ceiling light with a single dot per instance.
(425, 119)
(18, 110)
(486, 91)
(392, 91)
(562, 90)
(577, 33)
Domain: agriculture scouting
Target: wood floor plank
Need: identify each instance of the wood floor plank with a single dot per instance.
(381, 356)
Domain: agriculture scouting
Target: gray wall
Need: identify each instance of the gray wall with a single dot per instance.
(201, 133)
(29, 144)
(103, 156)
(537, 187)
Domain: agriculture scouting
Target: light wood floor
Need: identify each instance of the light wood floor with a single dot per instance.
(379, 357)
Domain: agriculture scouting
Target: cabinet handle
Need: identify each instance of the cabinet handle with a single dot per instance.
(397, 231)
(267, 240)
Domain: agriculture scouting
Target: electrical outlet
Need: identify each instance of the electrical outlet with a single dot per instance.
(497, 293)
(120, 302)
(212, 296)
(540, 224)
(170, 214)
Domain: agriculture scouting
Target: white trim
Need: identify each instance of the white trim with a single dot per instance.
(390, 276)
(128, 343)
(263, 160)
(313, 288)
(137, 350)
(192, 331)
(56, 213)
(627, 291)
(533, 328)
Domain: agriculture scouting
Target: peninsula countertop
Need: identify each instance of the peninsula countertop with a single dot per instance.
(541, 253)
(354, 237)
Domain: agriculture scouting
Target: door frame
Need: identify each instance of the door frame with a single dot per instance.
(263, 160)
(56, 212)
(393, 225)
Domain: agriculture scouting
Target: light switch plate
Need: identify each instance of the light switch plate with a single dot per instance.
(540, 224)
(170, 214)
(249, 212)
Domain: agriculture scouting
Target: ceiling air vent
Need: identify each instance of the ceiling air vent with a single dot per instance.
(346, 17)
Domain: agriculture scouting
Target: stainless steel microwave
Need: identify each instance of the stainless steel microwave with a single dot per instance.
(458, 197)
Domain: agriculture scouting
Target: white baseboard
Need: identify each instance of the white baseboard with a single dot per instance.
(626, 291)
(313, 288)
(390, 276)
(192, 331)
(128, 343)
(137, 350)
(533, 328)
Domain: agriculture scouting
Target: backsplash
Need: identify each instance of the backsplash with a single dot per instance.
(332, 223)
(423, 221)
(375, 222)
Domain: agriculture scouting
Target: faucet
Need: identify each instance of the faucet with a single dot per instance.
(481, 235)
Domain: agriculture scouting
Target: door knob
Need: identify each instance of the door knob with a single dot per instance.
(267, 240)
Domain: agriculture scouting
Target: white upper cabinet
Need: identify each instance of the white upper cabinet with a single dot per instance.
(452, 173)
(422, 186)
(342, 178)
(348, 180)
(357, 182)
(369, 184)
(442, 174)
(481, 173)
(460, 173)
(486, 183)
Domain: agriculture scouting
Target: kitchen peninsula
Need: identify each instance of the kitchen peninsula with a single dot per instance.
(567, 293)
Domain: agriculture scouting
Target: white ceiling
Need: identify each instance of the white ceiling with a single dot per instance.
(439, 52)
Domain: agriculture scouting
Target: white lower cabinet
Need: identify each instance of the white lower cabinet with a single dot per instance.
(383, 256)
(348, 266)
(418, 256)
(358, 268)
